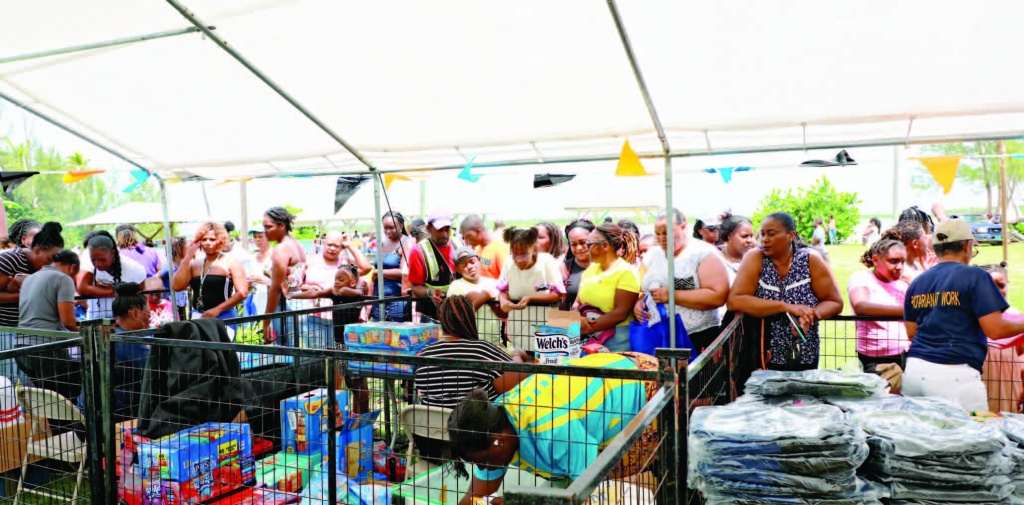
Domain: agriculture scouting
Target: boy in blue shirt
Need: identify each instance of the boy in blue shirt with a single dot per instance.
(949, 311)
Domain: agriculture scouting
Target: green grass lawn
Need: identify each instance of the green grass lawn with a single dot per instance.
(839, 339)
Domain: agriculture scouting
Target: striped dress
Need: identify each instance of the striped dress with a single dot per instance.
(445, 387)
(794, 289)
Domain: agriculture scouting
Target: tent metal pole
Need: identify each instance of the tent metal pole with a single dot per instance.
(895, 181)
(1003, 185)
(667, 151)
(101, 45)
(168, 248)
(380, 236)
(189, 15)
(244, 195)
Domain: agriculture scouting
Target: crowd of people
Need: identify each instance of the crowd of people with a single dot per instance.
(943, 322)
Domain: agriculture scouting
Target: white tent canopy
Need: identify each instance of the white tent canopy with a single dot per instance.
(139, 212)
(411, 85)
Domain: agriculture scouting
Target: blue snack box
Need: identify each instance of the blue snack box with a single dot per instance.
(406, 339)
(196, 451)
(555, 346)
(355, 446)
(304, 421)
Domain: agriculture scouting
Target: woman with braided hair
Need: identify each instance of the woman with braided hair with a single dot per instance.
(101, 269)
(609, 287)
(22, 231)
(395, 247)
(880, 291)
(445, 387)
(916, 242)
(287, 265)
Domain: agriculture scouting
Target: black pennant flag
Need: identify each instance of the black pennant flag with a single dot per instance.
(347, 186)
(549, 180)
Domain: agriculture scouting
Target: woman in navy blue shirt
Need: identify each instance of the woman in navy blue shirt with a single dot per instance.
(949, 311)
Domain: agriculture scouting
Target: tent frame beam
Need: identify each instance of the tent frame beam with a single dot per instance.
(191, 17)
(163, 187)
(102, 45)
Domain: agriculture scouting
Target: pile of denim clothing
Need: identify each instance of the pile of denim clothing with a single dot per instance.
(818, 383)
(794, 450)
(929, 457)
(1013, 427)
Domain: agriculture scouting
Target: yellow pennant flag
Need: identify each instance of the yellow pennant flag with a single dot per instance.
(227, 181)
(389, 178)
(629, 163)
(72, 177)
(943, 169)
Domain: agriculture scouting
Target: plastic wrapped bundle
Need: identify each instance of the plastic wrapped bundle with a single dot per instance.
(867, 493)
(817, 383)
(924, 404)
(933, 457)
(756, 452)
(1012, 426)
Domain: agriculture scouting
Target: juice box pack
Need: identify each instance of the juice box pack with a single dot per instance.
(286, 472)
(206, 486)
(390, 338)
(304, 421)
(554, 346)
(196, 451)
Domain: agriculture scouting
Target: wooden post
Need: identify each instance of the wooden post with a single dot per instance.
(1002, 198)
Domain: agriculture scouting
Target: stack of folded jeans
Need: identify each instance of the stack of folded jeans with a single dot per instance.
(755, 452)
(920, 404)
(819, 383)
(928, 457)
(1013, 427)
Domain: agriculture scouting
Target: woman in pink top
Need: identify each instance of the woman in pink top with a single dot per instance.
(1003, 373)
(880, 292)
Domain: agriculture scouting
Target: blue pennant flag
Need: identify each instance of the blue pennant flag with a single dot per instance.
(141, 176)
(726, 172)
(466, 175)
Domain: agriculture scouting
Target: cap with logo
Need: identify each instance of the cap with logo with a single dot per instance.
(953, 230)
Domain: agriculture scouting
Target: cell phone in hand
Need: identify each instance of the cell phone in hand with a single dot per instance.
(796, 326)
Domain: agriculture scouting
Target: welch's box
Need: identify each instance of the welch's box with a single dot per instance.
(404, 339)
(304, 421)
(196, 451)
(559, 340)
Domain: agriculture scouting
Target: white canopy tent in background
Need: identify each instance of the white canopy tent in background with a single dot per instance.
(350, 86)
(140, 212)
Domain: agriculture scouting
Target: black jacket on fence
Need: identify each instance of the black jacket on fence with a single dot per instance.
(185, 387)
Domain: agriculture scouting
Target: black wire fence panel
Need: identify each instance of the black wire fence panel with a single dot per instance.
(43, 431)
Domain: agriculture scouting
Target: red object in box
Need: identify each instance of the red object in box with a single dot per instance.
(261, 446)
(263, 496)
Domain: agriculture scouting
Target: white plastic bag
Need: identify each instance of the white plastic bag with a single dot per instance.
(656, 264)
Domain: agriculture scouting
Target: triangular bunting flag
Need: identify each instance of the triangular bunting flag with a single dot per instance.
(73, 177)
(726, 173)
(466, 175)
(389, 178)
(141, 176)
(629, 163)
(549, 180)
(11, 180)
(229, 181)
(943, 169)
(347, 186)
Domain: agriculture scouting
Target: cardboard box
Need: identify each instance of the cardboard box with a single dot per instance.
(304, 421)
(196, 451)
(286, 472)
(355, 446)
(219, 481)
(14, 439)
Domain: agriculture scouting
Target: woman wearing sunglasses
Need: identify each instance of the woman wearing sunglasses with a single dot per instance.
(949, 311)
(610, 285)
